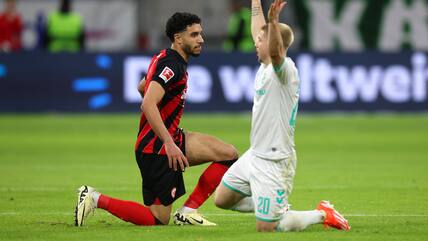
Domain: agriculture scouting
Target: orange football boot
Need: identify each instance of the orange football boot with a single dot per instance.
(332, 217)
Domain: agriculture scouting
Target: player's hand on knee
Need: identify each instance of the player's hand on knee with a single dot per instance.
(176, 157)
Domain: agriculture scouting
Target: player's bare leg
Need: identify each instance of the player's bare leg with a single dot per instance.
(228, 199)
(202, 148)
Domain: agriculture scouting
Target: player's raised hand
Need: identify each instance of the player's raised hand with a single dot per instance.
(175, 157)
(274, 10)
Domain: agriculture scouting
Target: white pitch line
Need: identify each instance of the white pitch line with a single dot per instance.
(386, 215)
(346, 215)
(56, 189)
(217, 214)
(138, 188)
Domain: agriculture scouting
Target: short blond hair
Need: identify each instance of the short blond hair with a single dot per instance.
(287, 34)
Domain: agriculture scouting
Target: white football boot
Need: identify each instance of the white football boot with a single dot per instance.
(85, 205)
(191, 218)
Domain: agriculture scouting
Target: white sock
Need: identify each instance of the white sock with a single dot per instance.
(246, 205)
(299, 220)
(185, 209)
(95, 196)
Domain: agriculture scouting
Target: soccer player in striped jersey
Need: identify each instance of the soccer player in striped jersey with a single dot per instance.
(261, 180)
(163, 150)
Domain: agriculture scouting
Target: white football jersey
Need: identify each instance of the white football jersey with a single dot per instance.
(274, 110)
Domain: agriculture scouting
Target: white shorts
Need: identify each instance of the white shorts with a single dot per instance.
(269, 182)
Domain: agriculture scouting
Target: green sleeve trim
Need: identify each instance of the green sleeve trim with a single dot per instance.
(234, 189)
(278, 67)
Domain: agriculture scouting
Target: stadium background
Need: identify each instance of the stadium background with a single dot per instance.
(71, 119)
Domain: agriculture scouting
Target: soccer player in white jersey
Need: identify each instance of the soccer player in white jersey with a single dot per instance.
(264, 174)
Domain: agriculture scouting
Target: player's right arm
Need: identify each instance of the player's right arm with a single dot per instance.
(257, 18)
(275, 42)
(153, 96)
(142, 86)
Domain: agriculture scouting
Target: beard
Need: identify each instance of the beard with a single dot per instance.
(188, 50)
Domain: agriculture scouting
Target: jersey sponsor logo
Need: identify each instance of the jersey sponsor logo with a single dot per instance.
(166, 74)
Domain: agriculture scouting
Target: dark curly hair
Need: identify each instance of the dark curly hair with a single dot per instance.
(178, 22)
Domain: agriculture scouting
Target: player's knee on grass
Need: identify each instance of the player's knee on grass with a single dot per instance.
(225, 198)
(266, 226)
(163, 220)
(219, 201)
(161, 213)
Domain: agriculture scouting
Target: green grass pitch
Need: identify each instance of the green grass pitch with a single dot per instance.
(374, 168)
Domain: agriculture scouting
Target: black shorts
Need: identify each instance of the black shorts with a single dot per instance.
(159, 182)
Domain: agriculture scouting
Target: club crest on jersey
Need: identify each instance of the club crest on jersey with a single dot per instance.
(166, 74)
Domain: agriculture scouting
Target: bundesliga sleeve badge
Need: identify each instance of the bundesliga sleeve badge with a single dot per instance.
(166, 74)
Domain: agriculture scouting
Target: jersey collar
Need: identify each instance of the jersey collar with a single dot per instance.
(178, 56)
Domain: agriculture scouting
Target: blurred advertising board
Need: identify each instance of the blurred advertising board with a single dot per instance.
(367, 82)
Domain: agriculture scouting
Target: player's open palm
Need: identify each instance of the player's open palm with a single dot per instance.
(275, 9)
(176, 157)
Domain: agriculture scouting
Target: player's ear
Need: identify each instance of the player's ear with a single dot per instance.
(178, 38)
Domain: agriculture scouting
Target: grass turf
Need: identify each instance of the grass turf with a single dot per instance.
(373, 168)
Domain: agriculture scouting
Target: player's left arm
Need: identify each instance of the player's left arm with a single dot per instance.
(275, 42)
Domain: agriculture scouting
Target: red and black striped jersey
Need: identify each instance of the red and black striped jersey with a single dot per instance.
(169, 69)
